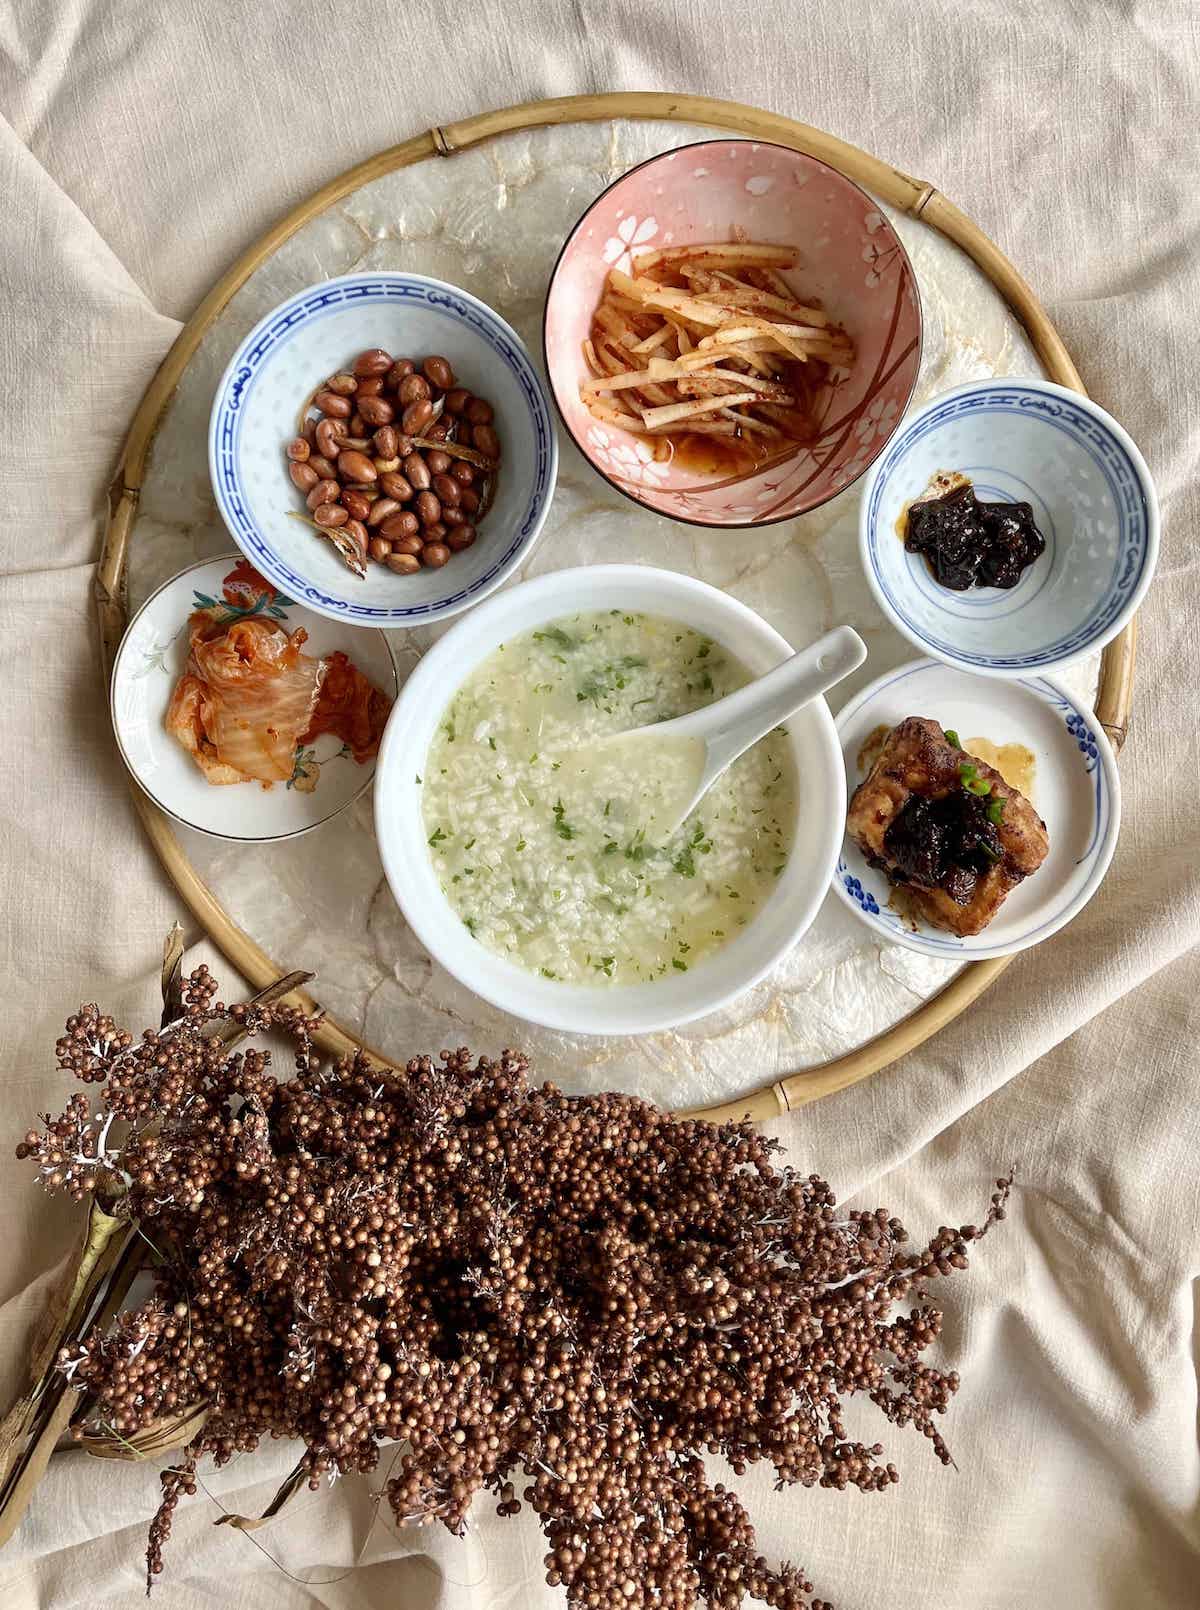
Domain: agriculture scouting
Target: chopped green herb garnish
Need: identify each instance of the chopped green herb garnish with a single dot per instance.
(611, 847)
(491, 743)
(469, 845)
(417, 777)
(438, 834)
(995, 810)
(952, 738)
(562, 827)
(555, 635)
(990, 851)
(607, 806)
(547, 973)
(972, 781)
(520, 844)
(469, 925)
(680, 967)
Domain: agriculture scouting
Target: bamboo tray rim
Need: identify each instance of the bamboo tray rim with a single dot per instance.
(915, 197)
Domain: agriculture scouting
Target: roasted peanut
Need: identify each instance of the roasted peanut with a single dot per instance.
(417, 471)
(416, 416)
(429, 510)
(486, 441)
(333, 406)
(356, 504)
(457, 400)
(379, 548)
(303, 476)
(463, 472)
(438, 431)
(469, 500)
(438, 373)
(447, 489)
(452, 516)
(324, 467)
(459, 537)
(434, 555)
(330, 514)
(401, 367)
(374, 361)
(413, 388)
(356, 425)
(479, 412)
(323, 492)
(395, 486)
(329, 438)
(357, 467)
(404, 564)
(381, 509)
(369, 386)
(298, 449)
(407, 545)
(386, 466)
(342, 385)
(376, 410)
(385, 441)
(433, 533)
(438, 461)
(399, 525)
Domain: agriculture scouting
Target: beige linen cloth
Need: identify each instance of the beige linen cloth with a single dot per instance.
(141, 148)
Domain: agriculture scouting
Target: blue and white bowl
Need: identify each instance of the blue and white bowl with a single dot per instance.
(314, 334)
(1093, 499)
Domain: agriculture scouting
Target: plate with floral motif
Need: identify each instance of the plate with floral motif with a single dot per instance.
(324, 777)
(1044, 742)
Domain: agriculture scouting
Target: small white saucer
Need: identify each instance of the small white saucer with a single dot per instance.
(1075, 791)
(150, 660)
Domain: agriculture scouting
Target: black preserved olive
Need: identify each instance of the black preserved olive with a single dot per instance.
(967, 543)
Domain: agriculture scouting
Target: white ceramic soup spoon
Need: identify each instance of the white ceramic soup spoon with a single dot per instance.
(679, 760)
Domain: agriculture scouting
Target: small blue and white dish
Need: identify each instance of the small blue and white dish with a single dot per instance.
(312, 335)
(1071, 782)
(1021, 441)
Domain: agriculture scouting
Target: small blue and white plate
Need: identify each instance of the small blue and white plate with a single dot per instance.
(1075, 790)
(1093, 499)
(311, 336)
(151, 659)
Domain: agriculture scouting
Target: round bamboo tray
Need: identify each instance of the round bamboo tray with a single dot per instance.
(912, 196)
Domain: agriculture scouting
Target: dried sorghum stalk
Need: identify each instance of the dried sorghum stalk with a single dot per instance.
(585, 1291)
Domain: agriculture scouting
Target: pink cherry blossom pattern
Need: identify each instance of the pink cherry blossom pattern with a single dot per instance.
(630, 233)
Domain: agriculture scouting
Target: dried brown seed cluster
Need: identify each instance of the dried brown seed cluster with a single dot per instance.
(508, 1281)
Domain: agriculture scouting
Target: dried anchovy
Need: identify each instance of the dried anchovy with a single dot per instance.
(346, 550)
(508, 1280)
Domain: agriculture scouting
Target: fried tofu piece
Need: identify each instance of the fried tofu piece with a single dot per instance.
(917, 760)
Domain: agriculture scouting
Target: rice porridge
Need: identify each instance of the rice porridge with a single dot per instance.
(553, 836)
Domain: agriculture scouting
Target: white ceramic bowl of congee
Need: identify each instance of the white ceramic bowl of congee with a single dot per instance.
(601, 1005)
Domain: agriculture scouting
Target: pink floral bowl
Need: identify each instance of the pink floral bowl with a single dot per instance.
(851, 261)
